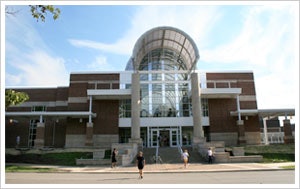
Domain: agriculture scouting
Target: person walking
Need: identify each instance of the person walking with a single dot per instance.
(18, 141)
(113, 158)
(210, 155)
(185, 157)
(140, 162)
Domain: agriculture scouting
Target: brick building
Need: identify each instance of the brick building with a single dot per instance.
(160, 99)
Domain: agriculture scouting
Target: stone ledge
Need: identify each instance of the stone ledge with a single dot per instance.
(246, 159)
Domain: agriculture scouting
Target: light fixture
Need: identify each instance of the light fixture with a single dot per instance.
(13, 121)
(80, 120)
(246, 117)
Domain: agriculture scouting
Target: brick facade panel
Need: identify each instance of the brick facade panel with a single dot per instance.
(107, 118)
(78, 90)
(78, 107)
(219, 115)
(229, 76)
(62, 94)
(222, 121)
(248, 105)
(94, 77)
(12, 130)
(74, 126)
(248, 88)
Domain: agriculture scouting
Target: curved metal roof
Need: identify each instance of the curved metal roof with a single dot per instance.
(169, 38)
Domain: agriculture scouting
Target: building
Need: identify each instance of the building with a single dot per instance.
(160, 99)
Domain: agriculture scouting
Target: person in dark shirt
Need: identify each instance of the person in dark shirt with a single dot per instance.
(140, 162)
(113, 158)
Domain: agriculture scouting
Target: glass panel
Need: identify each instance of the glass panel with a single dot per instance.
(156, 77)
(154, 138)
(144, 77)
(187, 133)
(38, 108)
(125, 108)
(32, 132)
(174, 137)
(204, 104)
(124, 135)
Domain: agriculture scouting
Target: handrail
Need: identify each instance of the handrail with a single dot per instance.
(180, 149)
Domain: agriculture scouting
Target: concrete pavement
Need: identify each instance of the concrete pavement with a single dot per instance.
(167, 168)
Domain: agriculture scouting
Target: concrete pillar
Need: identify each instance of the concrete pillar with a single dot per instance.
(89, 134)
(288, 136)
(266, 138)
(39, 141)
(241, 132)
(135, 109)
(197, 110)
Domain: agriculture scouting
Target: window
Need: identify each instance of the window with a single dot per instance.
(204, 103)
(125, 109)
(38, 108)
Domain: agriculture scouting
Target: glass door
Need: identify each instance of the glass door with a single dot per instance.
(154, 137)
(174, 138)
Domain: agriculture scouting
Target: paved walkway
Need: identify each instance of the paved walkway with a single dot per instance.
(160, 168)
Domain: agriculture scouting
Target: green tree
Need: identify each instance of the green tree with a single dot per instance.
(40, 11)
(13, 97)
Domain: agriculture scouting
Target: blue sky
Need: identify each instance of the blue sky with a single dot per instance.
(235, 36)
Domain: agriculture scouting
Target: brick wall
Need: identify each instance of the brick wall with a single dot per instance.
(219, 109)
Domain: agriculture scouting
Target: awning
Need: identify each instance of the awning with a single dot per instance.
(265, 112)
(169, 38)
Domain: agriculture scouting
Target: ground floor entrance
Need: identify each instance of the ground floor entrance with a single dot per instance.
(162, 136)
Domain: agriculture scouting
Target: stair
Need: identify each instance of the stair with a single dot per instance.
(170, 155)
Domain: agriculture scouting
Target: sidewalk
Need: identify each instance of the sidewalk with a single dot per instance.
(167, 168)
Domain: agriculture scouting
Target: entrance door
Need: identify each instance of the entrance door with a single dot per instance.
(154, 137)
(164, 137)
(174, 138)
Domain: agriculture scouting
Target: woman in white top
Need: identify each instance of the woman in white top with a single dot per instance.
(185, 157)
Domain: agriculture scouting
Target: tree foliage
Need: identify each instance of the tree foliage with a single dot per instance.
(13, 97)
(39, 12)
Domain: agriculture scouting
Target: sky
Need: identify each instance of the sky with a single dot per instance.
(261, 37)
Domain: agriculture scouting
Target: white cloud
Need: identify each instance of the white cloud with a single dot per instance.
(195, 21)
(265, 45)
(28, 59)
(260, 39)
(100, 63)
(40, 69)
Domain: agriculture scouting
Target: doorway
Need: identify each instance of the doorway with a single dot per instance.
(164, 136)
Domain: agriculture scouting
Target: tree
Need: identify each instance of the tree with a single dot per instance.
(40, 11)
(13, 97)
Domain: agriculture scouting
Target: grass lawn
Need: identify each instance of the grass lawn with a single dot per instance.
(273, 153)
(28, 169)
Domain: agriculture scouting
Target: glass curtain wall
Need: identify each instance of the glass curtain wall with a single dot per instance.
(164, 85)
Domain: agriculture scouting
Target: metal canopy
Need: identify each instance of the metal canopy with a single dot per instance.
(169, 38)
(265, 112)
